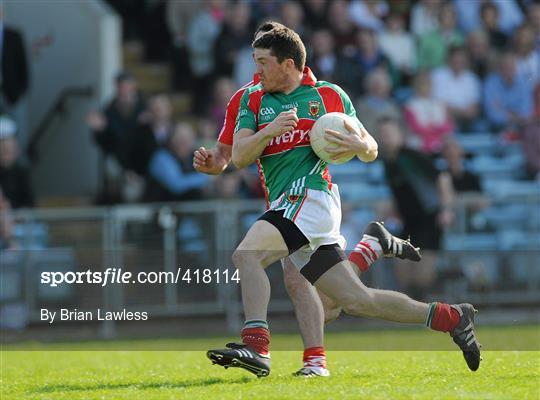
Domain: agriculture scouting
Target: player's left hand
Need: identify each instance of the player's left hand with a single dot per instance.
(203, 160)
(347, 145)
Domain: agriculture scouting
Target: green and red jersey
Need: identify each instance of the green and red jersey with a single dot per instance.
(288, 161)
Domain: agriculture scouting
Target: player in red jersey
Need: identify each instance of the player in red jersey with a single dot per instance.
(312, 308)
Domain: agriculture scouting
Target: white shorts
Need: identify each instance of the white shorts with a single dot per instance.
(318, 216)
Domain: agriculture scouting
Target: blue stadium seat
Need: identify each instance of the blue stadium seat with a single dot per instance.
(477, 143)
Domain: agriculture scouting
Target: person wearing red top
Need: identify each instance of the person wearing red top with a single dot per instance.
(307, 304)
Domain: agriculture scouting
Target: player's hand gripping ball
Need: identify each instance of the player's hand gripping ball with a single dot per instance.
(335, 122)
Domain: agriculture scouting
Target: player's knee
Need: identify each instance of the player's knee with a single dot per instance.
(331, 314)
(241, 258)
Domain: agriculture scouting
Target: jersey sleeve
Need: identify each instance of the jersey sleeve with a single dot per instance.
(246, 117)
(348, 107)
(231, 113)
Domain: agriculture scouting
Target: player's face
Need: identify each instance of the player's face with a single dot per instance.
(272, 73)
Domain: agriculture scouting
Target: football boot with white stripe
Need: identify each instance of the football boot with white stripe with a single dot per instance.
(464, 336)
(392, 246)
(241, 356)
(312, 372)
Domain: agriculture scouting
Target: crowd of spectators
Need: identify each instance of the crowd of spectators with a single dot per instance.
(436, 67)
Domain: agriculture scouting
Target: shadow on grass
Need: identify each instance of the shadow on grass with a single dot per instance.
(153, 385)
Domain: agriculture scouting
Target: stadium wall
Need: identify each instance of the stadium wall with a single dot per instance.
(69, 44)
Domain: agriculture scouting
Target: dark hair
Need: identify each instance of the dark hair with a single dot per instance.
(283, 43)
(456, 49)
(488, 6)
(123, 76)
(267, 26)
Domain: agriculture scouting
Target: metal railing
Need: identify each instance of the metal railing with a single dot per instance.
(102, 235)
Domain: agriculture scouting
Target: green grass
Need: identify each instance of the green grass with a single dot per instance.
(362, 375)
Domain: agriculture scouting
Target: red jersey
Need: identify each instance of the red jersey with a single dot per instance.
(227, 131)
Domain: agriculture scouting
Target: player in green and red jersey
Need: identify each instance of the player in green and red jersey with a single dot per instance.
(311, 313)
(304, 215)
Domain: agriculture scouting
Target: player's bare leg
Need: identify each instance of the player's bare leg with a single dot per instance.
(310, 316)
(262, 246)
(346, 289)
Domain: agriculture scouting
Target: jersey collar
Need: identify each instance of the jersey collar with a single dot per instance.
(308, 78)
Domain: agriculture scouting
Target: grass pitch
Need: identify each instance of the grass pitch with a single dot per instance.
(389, 374)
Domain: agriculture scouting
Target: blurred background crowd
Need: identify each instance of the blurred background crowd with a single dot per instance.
(449, 88)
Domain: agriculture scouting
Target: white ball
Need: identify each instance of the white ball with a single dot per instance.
(334, 121)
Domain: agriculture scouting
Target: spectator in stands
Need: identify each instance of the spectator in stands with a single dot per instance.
(355, 67)
(481, 55)
(201, 38)
(528, 54)
(377, 103)
(179, 15)
(533, 15)
(433, 46)
(14, 65)
(114, 132)
(235, 34)
(7, 241)
(316, 14)
(152, 134)
(322, 57)
(224, 89)
(463, 180)
(171, 173)
(156, 35)
(14, 176)
(399, 46)
(459, 88)
(114, 127)
(507, 96)
(14, 76)
(531, 139)
(427, 118)
(292, 16)
(369, 14)
(342, 26)
(424, 199)
(424, 17)
(489, 15)
(510, 15)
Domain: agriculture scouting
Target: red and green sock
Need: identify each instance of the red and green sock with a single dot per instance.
(366, 252)
(442, 317)
(257, 335)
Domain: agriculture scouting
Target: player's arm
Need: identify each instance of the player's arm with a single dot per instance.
(248, 145)
(359, 143)
(212, 161)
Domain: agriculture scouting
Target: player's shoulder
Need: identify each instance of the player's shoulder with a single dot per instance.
(332, 90)
(330, 85)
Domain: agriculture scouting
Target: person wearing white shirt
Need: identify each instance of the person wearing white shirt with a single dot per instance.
(398, 45)
(424, 17)
(459, 88)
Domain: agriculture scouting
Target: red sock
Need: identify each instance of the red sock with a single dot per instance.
(363, 255)
(443, 317)
(258, 339)
(315, 357)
